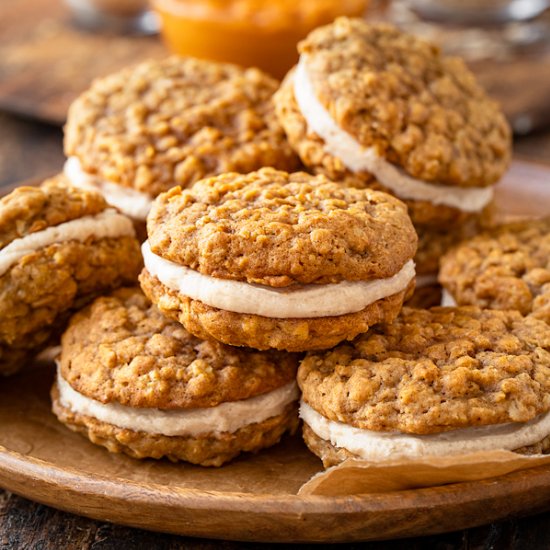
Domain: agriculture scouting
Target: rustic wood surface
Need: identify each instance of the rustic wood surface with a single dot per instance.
(46, 60)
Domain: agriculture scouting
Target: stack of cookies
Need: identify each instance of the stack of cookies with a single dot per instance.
(139, 132)
(264, 261)
(272, 261)
(370, 106)
(60, 248)
(249, 264)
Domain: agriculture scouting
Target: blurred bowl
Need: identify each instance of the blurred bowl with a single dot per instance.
(252, 33)
(119, 16)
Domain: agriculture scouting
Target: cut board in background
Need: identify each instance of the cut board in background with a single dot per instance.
(46, 61)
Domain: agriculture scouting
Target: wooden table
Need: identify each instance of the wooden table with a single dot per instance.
(30, 149)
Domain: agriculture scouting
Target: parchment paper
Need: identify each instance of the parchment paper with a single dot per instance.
(353, 476)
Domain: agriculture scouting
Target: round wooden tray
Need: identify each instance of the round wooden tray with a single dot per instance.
(254, 497)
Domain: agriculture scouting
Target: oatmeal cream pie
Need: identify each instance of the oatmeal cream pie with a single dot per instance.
(278, 260)
(136, 382)
(372, 106)
(59, 247)
(507, 267)
(438, 382)
(138, 132)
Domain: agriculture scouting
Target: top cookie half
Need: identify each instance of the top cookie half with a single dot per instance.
(278, 229)
(419, 110)
(31, 209)
(434, 370)
(175, 121)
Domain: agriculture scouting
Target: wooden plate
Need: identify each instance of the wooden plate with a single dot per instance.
(253, 498)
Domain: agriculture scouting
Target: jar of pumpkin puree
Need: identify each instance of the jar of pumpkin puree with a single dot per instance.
(260, 33)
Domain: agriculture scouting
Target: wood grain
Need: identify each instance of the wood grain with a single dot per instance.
(46, 61)
(28, 150)
(27, 525)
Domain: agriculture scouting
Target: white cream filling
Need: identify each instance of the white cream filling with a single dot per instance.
(371, 445)
(108, 223)
(447, 299)
(129, 201)
(357, 158)
(294, 302)
(226, 417)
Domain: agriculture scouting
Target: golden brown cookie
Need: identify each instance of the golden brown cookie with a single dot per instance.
(140, 131)
(136, 382)
(369, 102)
(60, 247)
(434, 382)
(278, 260)
(507, 267)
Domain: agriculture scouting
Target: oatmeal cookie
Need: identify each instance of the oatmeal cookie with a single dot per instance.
(423, 111)
(262, 227)
(60, 248)
(30, 209)
(272, 259)
(431, 378)
(507, 267)
(372, 106)
(134, 381)
(260, 332)
(140, 131)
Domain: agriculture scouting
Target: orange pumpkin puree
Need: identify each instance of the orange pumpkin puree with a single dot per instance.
(259, 33)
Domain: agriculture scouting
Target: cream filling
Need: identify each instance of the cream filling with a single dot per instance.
(357, 158)
(224, 418)
(108, 223)
(129, 201)
(447, 299)
(293, 302)
(371, 445)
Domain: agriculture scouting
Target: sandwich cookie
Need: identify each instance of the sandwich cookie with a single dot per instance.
(138, 132)
(59, 248)
(135, 382)
(506, 267)
(371, 106)
(439, 382)
(278, 260)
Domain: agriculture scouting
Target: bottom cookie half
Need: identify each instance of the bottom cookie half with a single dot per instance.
(210, 449)
(332, 455)
(239, 329)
